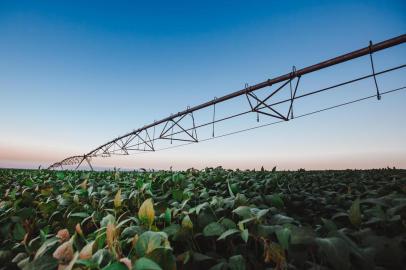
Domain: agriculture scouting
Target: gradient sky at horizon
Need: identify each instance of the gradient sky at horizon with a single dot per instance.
(75, 75)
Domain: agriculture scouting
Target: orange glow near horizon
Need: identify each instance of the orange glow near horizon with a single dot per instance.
(32, 157)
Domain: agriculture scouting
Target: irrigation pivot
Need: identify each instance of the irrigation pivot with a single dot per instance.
(145, 138)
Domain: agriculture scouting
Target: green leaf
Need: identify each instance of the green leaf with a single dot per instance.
(228, 223)
(116, 266)
(198, 257)
(213, 229)
(42, 263)
(236, 262)
(79, 214)
(177, 195)
(26, 213)
(355, 213)
(242, 222)
(102, 257)
(227, 233)
(244, 235)
(281, 219)
(329, 225)
(163, 257)
(219, 266)
(87, 263)
(365, 261)
(109, 219)
(283, 236)
(243, 211)
(149, 241)
(275, 200)
(146, 264)
(201, 206)
(19, 257)
(18, 232)
(336, 251)
(267, 230)
(301, 235)
(262, 213)
(100, 241)
(5, 256)
(168, 216)
(171, 229)
(23, 263)
(235, 188)
(230, 190)
(131, 231)
(60, 175)
(48, 244)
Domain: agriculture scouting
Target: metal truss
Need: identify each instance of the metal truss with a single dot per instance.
(167, 132)
(182, 126)
(139, 140)
(267, 109)
(73, 161)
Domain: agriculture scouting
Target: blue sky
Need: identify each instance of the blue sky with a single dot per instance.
(76, 74)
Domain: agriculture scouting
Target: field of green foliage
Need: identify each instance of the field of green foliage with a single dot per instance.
(207, 219)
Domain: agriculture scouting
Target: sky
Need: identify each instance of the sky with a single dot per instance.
(75, 74)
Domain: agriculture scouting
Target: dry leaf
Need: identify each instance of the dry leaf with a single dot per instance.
(64, 253)
(127, 262)
(355, 213)
(146, 213)
(63, 235)
(187, 223)
(274, 253)
(117, 199)
(78, 229)
(87, 251)
(71, 263)
(84, 184)
(110, 234)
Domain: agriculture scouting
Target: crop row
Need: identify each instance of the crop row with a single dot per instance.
(207, 219)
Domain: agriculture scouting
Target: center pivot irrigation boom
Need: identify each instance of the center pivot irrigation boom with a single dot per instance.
(174, 127)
